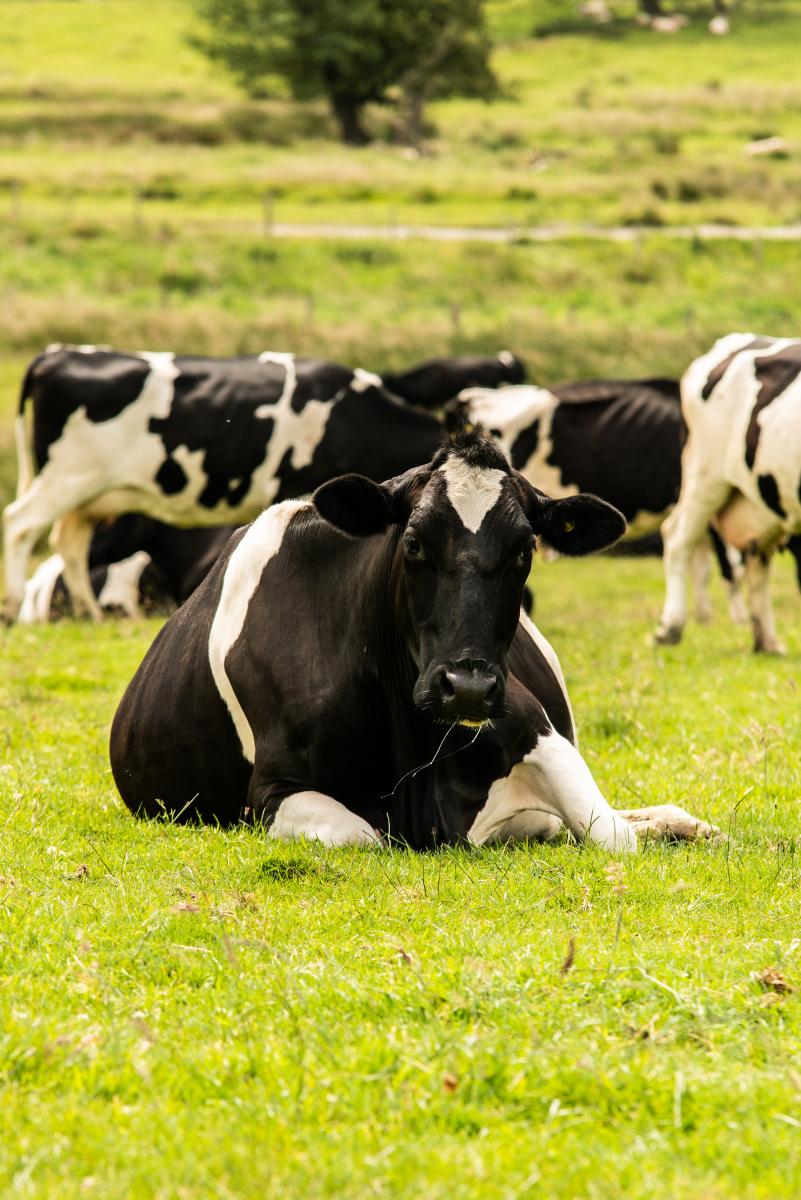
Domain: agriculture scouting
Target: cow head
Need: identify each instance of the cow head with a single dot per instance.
(466, 526)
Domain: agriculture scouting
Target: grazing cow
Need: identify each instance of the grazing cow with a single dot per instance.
(741, 467)
(321, 677)
(619, 439)
(136, 565)
(191, 441)
(434, 383)
(197, 441)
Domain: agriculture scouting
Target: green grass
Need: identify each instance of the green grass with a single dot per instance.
(189, 1013)
(570, 309)
(96, 118)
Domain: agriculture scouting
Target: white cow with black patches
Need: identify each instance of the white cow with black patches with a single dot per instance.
(341, 645)
(189, 441)
(741, 468)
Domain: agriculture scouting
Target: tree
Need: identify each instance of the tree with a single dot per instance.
(353, 52)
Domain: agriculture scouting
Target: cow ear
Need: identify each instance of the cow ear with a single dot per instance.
(577, 524)
(355, 505)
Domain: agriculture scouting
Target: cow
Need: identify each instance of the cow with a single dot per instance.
(192, 441)
(619, 439)
(741, 467)
(437, 381)
(356, 668)
(136, 565)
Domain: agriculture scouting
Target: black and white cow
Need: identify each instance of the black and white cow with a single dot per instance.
(136, 566)
(741, 467)
(190, 441)
(434, 383)
(194, 441)
(619, 439)
(340, 643)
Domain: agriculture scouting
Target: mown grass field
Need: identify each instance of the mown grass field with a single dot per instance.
(189, 1013)
(104, 110)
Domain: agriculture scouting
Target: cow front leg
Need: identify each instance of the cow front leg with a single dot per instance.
(757, 575)
(681, 532)
(552, 782)
(667, 822)
(320, 818)
(24, 520)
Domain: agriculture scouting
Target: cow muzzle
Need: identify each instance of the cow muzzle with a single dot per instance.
(466, 692)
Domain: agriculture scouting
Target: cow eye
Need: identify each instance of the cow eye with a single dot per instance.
(412, 548)
(523, 559)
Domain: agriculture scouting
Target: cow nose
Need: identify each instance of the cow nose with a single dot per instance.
(469, 693)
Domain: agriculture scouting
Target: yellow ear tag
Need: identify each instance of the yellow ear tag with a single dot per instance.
(569, 526)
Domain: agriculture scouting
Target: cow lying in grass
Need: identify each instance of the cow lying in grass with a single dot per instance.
(137, 566)
(357, 667)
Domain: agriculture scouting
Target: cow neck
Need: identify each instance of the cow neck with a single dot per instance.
(394, 662)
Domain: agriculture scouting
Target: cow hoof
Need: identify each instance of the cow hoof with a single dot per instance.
(774, 648)
(669, 635)
(689, 829)
(703, 616)
(669, 823)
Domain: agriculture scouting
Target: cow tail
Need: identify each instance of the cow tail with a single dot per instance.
(24, 459)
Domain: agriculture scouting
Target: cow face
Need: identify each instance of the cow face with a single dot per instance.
(467, 527)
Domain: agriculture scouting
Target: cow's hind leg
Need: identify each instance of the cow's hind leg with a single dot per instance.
(757, 574)
(320, 818)
(701, 564)
(71, 538)
(667, 822)
(681, 532)
(24, 521)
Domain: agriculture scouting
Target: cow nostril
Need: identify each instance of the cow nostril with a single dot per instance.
(491, 690)
(446, 686)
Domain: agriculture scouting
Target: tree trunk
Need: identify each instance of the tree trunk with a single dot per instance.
(412, 114)
(348, 115)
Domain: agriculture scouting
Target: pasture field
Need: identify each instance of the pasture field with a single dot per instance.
(570, 309)
(188, 1013)
(106, 110)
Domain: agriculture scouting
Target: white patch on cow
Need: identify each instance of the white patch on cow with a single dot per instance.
(260, 543)
(287, 361)
(299, 432)
(716, 479)
(511, 410)
(320, 818)
(553, 779)
(472, 491)
(362, 380)
(549, 654)
(38, 595)
(121, 589)
(507, 359)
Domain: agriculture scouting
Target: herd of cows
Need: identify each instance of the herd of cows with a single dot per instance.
(356, 666)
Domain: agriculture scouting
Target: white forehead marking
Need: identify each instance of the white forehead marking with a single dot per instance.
(472, 491)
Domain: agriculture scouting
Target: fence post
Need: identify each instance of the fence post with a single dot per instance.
(268, 212)
(15, 204)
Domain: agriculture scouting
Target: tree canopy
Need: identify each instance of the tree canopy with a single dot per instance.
(354, 52)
